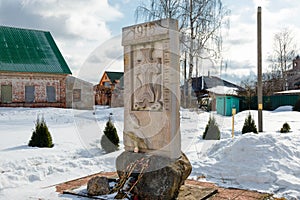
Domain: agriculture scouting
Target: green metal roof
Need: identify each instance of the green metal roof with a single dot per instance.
(23, 50)
(114, 76)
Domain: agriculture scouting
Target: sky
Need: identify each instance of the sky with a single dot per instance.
(88, 32)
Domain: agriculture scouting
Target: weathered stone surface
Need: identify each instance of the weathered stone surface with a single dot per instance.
(151, 111)
(192, 192)
(151, 88)
(98, 186)
(163, 177)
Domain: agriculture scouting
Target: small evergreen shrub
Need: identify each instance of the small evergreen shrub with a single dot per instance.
(212, 131)
(41, 136)
(297, 106)
(285, 128)
(110, 139)
(249, 125)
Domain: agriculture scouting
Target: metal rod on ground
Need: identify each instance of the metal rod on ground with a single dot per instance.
(259, 71)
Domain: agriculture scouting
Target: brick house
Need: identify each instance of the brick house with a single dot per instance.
(33, 72)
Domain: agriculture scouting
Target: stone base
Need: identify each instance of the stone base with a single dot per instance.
(161, 179)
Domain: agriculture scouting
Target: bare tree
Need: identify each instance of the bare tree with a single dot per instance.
(272, 82)
(200, 24)
(284, 50)
(158, 9)
(250, 91)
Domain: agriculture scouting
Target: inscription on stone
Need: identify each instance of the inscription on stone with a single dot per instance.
(143, 30)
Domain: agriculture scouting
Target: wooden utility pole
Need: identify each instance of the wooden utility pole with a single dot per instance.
(185, 85)
(259, 72)
(191, 57)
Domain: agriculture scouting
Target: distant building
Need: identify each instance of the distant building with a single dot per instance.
(80, 94)
(109, 91)
(33, 72)
(293, 75)
(110, 79)
(207, 88)
(211, 84)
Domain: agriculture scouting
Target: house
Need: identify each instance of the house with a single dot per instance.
(208, 88)
(110, 87)
(33, 72)
(110, 79)
(276, 82)
(293, 75)
(79, 94)
(201, 85)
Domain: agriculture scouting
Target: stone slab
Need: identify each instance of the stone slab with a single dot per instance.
(151, 88)
(191, 192)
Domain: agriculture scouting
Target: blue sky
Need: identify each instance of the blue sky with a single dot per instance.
(88, 31)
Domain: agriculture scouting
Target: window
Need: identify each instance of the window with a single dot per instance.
(51, 94)
(29, 94)
(6, 93)
(106, 84)
(76, 95)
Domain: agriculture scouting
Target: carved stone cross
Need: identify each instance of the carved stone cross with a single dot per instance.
(151, 88)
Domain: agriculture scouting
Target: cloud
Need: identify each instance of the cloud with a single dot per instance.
(83, 30)
(240, 43)
(85, 19)
(106, 57)
(94, 59)
(77, 27)
(238, 78)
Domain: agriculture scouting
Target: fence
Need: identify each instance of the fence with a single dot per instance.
(269, 102)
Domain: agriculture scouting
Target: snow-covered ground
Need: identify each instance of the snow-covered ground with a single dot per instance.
(269, 161)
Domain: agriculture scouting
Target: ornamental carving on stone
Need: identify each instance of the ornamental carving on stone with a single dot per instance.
(147, 82)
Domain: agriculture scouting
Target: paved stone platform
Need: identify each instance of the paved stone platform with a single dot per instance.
(192, 190)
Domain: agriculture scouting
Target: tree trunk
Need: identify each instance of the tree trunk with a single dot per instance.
(191, 57)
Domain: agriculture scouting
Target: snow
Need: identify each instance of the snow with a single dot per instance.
(267, 162)
(223, 90)
(289, 92)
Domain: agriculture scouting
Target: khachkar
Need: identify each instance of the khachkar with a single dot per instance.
(151, 110)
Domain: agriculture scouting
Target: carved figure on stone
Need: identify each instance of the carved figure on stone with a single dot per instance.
(148, 95)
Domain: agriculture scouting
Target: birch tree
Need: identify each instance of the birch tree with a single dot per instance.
(284, 51)
(200, 24)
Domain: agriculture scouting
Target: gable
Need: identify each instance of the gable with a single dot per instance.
(113, 76)
(23, 50)
(104, 79)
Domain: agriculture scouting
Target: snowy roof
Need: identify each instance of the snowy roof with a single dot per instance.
(209, 82)
(288, 92)
(223, 90)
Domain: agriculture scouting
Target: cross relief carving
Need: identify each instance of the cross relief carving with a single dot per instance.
(147, 82)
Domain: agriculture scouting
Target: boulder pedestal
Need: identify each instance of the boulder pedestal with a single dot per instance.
(160, 179)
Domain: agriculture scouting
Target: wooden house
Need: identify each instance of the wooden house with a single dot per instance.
(33, 72)
(104, 91)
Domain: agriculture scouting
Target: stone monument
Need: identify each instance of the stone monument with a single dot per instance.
(151, 109)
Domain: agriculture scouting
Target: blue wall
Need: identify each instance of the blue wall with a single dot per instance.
(224, 105)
